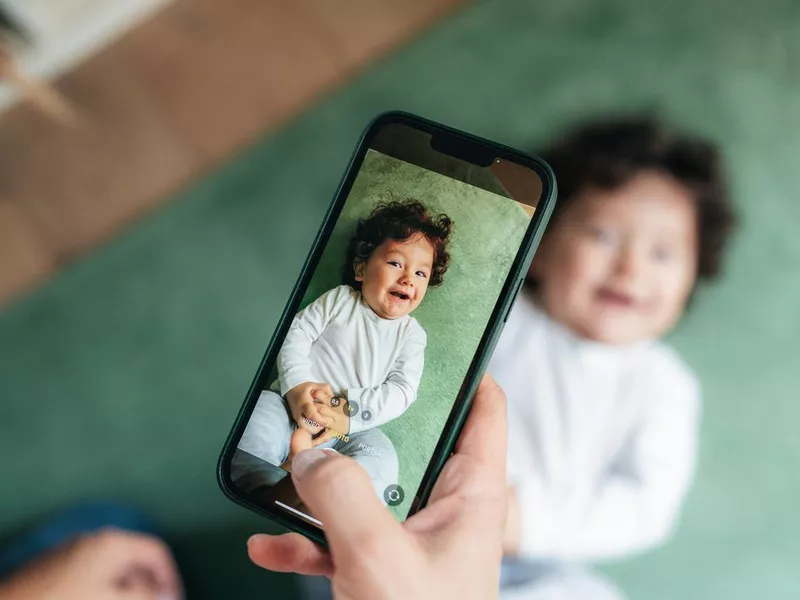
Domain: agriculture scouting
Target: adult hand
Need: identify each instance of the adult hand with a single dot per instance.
(512, 537)
(110, 565)
(450, 549)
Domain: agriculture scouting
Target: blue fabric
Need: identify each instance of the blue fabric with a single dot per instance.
(67, 525)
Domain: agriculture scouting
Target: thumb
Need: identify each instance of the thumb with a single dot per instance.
(340, 494)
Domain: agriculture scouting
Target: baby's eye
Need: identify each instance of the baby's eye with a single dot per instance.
(662, 254)
(422, 274)
(603, 235)
(395, 263)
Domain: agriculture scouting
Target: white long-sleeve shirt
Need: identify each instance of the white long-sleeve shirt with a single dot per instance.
(602, 439)
(339, 340)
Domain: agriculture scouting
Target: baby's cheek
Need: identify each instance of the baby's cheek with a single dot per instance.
(423, 289)
(589, 261)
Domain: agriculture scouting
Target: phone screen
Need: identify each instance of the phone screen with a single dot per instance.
(424, 241)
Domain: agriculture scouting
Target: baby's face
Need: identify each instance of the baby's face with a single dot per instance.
(620, 265)
(395, 278)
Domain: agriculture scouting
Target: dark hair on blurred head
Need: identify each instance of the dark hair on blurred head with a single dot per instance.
(607, 154)
(400, 221)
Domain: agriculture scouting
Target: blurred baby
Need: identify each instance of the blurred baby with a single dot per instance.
(603, 416)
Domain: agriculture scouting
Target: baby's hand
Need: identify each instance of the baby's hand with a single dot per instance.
(301, 440)
(327, 436)
(301, 400)
(322, 395)
(311, 419)
(335, 415)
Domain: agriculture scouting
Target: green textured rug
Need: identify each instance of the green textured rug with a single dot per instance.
(122, 375)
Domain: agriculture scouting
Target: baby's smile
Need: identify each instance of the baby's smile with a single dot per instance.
(616, 298)
(400, 295)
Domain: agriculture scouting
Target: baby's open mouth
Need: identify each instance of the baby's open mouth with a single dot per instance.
(400, 295)
(616, 298)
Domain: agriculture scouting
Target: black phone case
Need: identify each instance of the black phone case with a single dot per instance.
(516, 277)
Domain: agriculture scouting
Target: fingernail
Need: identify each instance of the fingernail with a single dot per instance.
(255, 538)
(306, 460)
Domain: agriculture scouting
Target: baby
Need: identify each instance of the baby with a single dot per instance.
(353, 359)
(603, 417)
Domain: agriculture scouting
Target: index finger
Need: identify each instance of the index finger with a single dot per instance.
(315, 413)
(324, 389)
(484, 435)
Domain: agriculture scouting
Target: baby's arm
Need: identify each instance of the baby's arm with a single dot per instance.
(380, 404)
(294, 362)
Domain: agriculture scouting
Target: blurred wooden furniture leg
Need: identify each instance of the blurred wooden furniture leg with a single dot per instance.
(44, 96)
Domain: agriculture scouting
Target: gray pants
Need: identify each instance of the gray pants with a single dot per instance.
(270, 429)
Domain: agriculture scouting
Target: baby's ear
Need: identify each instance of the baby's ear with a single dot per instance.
(359, 266)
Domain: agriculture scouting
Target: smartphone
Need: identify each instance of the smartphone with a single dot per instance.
(392, 321)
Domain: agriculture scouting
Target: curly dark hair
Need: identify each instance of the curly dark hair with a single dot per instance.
(608, 154)
(399, 220)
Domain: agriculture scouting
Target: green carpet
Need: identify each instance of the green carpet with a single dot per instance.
(122, 375)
